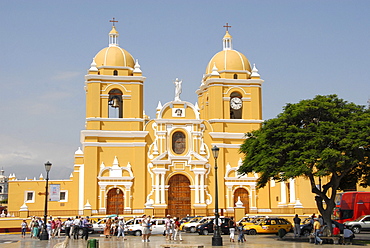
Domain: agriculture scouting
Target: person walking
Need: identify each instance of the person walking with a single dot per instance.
(58, 227)
(145, 225)
(121, 228)
(297, 226)
(177, 229)
(67, 227)
(232, 229)
(240, 233)
(316, 229)
(85, 231)
(24, 228)
(107, 228)
(76, 227)
(167, 226)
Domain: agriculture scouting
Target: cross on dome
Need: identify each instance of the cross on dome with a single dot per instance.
(113, 21)
(226, 26)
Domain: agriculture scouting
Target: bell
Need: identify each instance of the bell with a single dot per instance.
(115, 103)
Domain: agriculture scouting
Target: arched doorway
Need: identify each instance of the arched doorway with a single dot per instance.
(179, 202)
(115, 201)
(244, 198)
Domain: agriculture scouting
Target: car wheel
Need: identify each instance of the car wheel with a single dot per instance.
(252, 232)
(193, 229)
(356, 229)
(137, 233)
(80, 232)
(306, 233)
(205, 232)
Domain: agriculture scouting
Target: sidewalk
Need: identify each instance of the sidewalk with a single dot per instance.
(260, 241)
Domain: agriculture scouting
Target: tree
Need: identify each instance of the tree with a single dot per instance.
(323, 137)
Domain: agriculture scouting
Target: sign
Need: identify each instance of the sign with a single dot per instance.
(54, 192)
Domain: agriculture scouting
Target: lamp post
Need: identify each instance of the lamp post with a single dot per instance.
(216, 239)
(117, 194)
(44, 234)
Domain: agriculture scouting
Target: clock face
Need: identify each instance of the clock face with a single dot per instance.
(236, 103)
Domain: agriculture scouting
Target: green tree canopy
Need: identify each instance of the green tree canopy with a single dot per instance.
(323, 137)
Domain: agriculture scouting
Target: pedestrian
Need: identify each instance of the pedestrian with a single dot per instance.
(347, 235)
(114, 226)
(241, 233)
(149, 227)
(316, 229)
(35, 229)
(40, 225)
(107, 228)
(67, 227)
(297, 226)
(85, 226)
(312, 220)
(145, 225)
(24, 227)
(167, 226)
(48, 229)
(31, 226)
(76, 227)
(121, 228)
(232, 229)
(52, 226)
(177, 229)
(58, 227)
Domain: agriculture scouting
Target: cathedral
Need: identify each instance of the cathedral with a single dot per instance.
(130, 164)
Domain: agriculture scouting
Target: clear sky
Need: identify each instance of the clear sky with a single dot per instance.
(301, 49)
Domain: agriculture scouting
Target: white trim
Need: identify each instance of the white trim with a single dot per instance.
(236, 121)
(221, 145)
(66, 196)
(100, 78)
(116, 144)
(121, 134)
(177, 121)
(81, 187)
(114, 119)
(26, 194)
(220, 135)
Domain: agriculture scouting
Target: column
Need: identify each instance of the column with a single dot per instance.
(196, 186)
(201, 188)
(292, 191)
(163, 200)
(156, 187)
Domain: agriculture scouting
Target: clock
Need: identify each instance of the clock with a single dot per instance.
(236, 103)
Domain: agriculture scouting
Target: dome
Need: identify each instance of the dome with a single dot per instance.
(114, 56)
(230, 60)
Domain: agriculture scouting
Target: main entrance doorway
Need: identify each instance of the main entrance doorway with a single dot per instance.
(244, 198)
(115, 201)
(179, 202)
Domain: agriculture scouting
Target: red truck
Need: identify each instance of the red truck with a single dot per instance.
(351, 205)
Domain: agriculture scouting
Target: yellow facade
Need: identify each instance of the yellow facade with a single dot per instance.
(129, 164)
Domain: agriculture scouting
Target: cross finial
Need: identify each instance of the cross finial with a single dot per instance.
(226, 26)
(113, 21)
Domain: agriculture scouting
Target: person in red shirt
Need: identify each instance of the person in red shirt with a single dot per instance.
(336, 230)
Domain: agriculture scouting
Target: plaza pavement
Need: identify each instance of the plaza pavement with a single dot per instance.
(260, 241)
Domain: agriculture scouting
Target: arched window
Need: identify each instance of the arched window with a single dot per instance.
(178, 142)
(235, 76)
(115, 108)
(236, 105)
(1, 189)
(115, 73)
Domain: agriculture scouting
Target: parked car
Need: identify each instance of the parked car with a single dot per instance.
(192, 225)
(306, 227)
(362, 223)
(134, 226)
(208, 226)
(268, 225)
(99, 225)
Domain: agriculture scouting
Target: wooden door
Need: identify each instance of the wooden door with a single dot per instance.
(179, 202)
(115, 201)
(244, 198)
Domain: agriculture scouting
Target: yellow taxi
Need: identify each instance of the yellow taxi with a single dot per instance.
(192, 220)
(268, 225)
(250, 220)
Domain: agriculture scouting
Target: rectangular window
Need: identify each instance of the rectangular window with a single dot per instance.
(63, 196)
(29, 196)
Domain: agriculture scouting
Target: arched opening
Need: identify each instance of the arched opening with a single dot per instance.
(244, 198)
(179, 202)
(235, 76)
(115, 200)
(236, 105)
(178, 142)
(115, 106)
(115, 73)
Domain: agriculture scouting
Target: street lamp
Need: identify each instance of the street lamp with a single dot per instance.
(44, 234)
(216, 239)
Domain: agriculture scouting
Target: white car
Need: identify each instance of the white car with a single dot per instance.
(192, 226)
(134, 227)
(99, 226)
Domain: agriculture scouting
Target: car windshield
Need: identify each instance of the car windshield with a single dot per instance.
(359, 218)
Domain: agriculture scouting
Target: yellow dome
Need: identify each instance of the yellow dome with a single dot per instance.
(114, 56)
(230, 60)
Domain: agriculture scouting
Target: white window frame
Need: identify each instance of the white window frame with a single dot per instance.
(66, 196)
(26, 194)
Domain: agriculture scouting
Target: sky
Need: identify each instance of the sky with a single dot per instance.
(301, 49)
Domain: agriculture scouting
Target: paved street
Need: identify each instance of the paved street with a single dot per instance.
(260, 241)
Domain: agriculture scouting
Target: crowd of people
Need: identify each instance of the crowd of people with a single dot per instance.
(53, 226)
